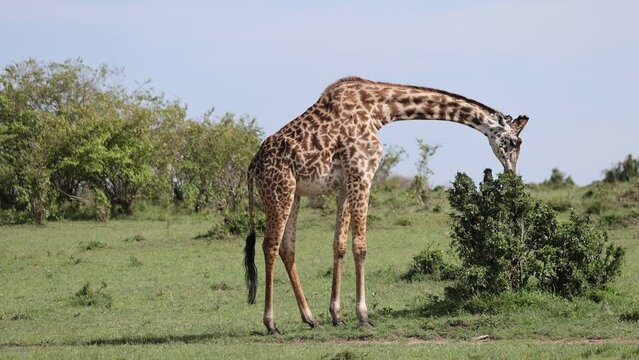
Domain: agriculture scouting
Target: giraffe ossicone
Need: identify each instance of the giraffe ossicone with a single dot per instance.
(333, 146)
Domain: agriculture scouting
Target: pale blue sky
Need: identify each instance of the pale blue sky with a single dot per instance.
(571, 66)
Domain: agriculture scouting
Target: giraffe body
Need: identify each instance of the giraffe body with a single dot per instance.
(333, 147)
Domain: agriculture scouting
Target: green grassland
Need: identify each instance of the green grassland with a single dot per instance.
(156, 291)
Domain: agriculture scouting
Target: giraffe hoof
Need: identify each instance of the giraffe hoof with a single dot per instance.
(366, 324)
(339, 322)
(274, 331)
(312, 323)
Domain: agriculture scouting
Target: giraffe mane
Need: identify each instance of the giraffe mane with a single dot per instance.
(424, 88)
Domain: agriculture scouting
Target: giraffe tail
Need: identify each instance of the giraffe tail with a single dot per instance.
(250, 274)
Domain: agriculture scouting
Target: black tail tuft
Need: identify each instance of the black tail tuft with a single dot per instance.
(249, 266)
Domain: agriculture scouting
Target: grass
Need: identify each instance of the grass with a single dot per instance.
(171, 296)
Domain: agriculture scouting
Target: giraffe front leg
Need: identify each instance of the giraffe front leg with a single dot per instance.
(339, 249)
(287, 252)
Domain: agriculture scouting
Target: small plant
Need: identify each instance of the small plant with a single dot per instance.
(403, 222)
(222, 286)
(134, 262)
(135, 238)
(87, 296)
(507, 241)
(91, 245)
(20, 316)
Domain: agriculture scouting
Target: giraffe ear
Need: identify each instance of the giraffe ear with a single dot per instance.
(519, 123)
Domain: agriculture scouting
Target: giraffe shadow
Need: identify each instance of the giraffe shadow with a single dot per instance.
(145, 340)
(434, 308)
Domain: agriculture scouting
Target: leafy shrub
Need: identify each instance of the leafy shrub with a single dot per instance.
(508, 241)
(87, 296)
(234, 223)
(629, 316)
(430, 263)
(237, 223)
(623, 171)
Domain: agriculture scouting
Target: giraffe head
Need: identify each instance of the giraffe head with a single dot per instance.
(505, 141)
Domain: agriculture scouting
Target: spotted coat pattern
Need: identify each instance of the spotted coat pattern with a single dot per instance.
(333, 146)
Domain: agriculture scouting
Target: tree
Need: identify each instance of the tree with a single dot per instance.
(558, 179)
(623, 171)
(212, 172)
(392, 156)
(72, 138)
(96, 137)
(24, 174)
(421, 186)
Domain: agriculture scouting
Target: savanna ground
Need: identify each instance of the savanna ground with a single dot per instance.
(156, 291)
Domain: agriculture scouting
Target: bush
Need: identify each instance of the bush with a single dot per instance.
(508, 241)
(430, 263)
(87, 296)
(234, 223)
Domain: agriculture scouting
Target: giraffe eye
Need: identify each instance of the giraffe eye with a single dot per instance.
(515, 142)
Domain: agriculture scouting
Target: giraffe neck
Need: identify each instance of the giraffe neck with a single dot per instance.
(417, 103)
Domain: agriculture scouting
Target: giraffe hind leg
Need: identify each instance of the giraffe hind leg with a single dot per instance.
(277, 208)
(287, 253)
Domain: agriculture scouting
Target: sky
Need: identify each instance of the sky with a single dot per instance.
(571, 66)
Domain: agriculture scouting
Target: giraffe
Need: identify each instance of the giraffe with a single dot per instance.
(333, 147)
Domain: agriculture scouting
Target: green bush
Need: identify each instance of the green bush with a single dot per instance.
(430, 263)
(508, 241)
(88, 296)
(234, 223)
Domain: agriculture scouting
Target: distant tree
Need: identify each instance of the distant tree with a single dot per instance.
(93, 136)
(24, 174)
(623, 171)
(392, 156)
(558, 179)
(212, 171)
(71, 134)
(421, 186)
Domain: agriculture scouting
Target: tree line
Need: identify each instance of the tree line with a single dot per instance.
(76, 143)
